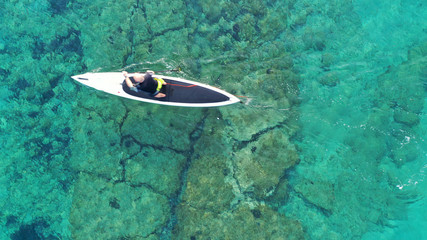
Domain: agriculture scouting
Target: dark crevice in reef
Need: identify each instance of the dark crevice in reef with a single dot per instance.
(131, 36)
(307, 202)
(114, 203)
(55, 80)
(38, 49)
(4, 73)
(127, 140)
(49, 93)
(132, 185)
(46, 148)
(272, 200)
(149, 187)
(58, 6)
(128, 237)
(236, 179)
(66, 44)
(165, 31)
(63, 45)
(123, 120)
(177, 198)
(97, 175)
(144, 13)
(123, 174)
(11, 220)
(33, 231)
(151, 34)
(123, 161)
(239, 145)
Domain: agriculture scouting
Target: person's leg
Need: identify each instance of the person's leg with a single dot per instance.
(160, 95)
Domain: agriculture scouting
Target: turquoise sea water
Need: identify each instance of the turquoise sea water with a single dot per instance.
(329, 143)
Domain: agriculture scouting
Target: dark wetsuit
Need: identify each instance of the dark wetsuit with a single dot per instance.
(149, 85)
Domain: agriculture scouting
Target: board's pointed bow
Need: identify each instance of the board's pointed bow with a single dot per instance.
(80, 77)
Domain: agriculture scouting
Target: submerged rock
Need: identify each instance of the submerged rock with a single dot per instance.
(402, 94)
(320, 193)
(206, 187)
(408, 118)
(151, 126)
(156, 168)
(279, 196)
(104, 210)
(261, 164)
(329, 79)
(96, 146)
(172, 14)
(242, 223)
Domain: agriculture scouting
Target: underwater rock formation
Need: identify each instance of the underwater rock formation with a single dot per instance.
(244, 222)
(320, 193)
(96, 146)
(160, 129)
(105, 210)
(404, 96)
(261, 164)
(158, 169)
(206, 188)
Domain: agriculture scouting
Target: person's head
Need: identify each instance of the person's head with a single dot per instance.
(139, 77)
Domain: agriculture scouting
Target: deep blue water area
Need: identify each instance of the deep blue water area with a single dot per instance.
(328, 143)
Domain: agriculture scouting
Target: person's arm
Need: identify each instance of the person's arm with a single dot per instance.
(127, 80)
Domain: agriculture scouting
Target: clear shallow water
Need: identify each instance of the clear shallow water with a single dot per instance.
(339, 86)
(349, 136)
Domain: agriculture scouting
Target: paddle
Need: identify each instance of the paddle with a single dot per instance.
(177, 69)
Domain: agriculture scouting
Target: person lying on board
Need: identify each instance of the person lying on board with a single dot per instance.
(145, 82)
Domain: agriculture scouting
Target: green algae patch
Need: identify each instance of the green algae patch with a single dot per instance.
(171, 41)
(205, 185)
(35, 197)
(105, 210)
(213, 140)
(96, 133)
(105, 32)
(171, 13)
(206, 188)
(241, 223)
(217, 204)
